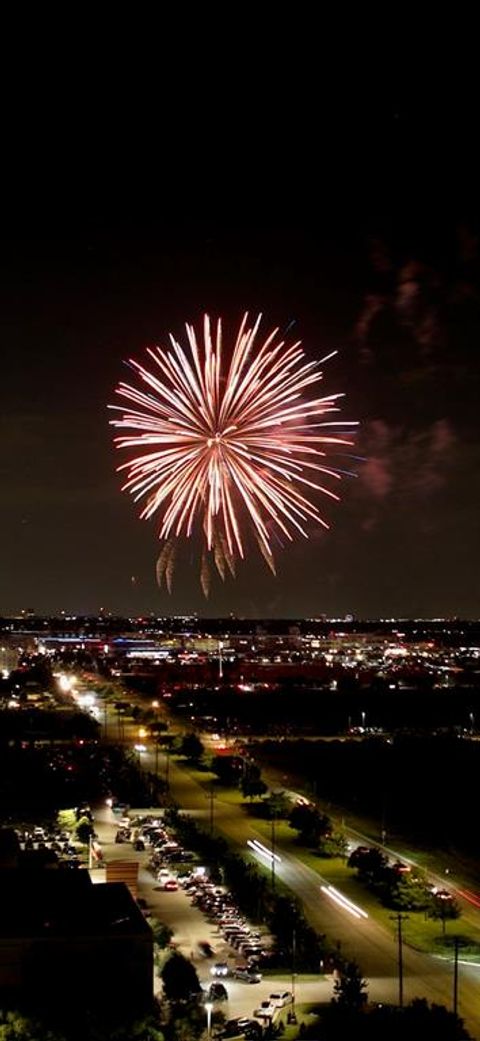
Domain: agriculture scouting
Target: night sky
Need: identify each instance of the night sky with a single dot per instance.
(355, 218)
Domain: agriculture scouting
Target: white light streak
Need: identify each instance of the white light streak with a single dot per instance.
(258, 847)
(344, 902)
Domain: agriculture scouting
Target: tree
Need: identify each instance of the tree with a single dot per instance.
(443, 906)
(84, 830)
(416, 1021)
(140, 1030)
(188, 1022)
(310, 824)
(228, 768)
(16, 1027)
(371, 864)
(253, 787)
(277, 806)
(180, 980)
(334, 845)
(162, 934)
(191, 747)
(67, 820)
(350, 989)
(407, 893)
(158, 726)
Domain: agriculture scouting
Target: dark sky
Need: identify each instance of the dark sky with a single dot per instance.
(132, 207)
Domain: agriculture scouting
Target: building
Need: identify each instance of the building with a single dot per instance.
(65, 941)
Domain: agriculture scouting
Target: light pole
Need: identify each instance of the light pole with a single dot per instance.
(364, 716)
(273, 852)
(208, 1010)
(220, 660)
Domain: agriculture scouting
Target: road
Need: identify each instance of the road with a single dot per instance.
(366, 941)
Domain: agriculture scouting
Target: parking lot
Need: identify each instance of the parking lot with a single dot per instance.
(204, 922)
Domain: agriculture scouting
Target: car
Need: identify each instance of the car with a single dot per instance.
(170, 885)
(163, 874)
(400, 868)
(237, 1026)
(184, 881)
(266, 1010)
(206, 949)
(219, 969)
(217, 992)
(232, 1028)
(254, 1030)
(248, 974)
(280, 999)
(139, 846)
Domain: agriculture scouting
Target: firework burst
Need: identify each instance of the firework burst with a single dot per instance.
(226, 446)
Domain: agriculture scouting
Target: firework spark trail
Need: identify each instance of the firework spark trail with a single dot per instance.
(221, 443)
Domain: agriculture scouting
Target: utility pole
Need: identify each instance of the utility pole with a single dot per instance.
(273, 852)
(458, 942)
(156, 757)
(383, 828)
(212, 796)
(294, 974)
(399, 919)
(455, 975)
(167, 767)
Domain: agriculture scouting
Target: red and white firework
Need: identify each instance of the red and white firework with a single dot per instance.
(222, 445)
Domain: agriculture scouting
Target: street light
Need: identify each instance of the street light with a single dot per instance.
(220, 660)
(208, 1010)
(273, 850)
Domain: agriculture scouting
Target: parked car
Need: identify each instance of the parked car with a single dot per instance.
(170, 885)
(247, 973)
(236, 1026)
(266, 1010)
(281, 999)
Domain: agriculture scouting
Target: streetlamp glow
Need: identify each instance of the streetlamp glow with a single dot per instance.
(220, 659)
